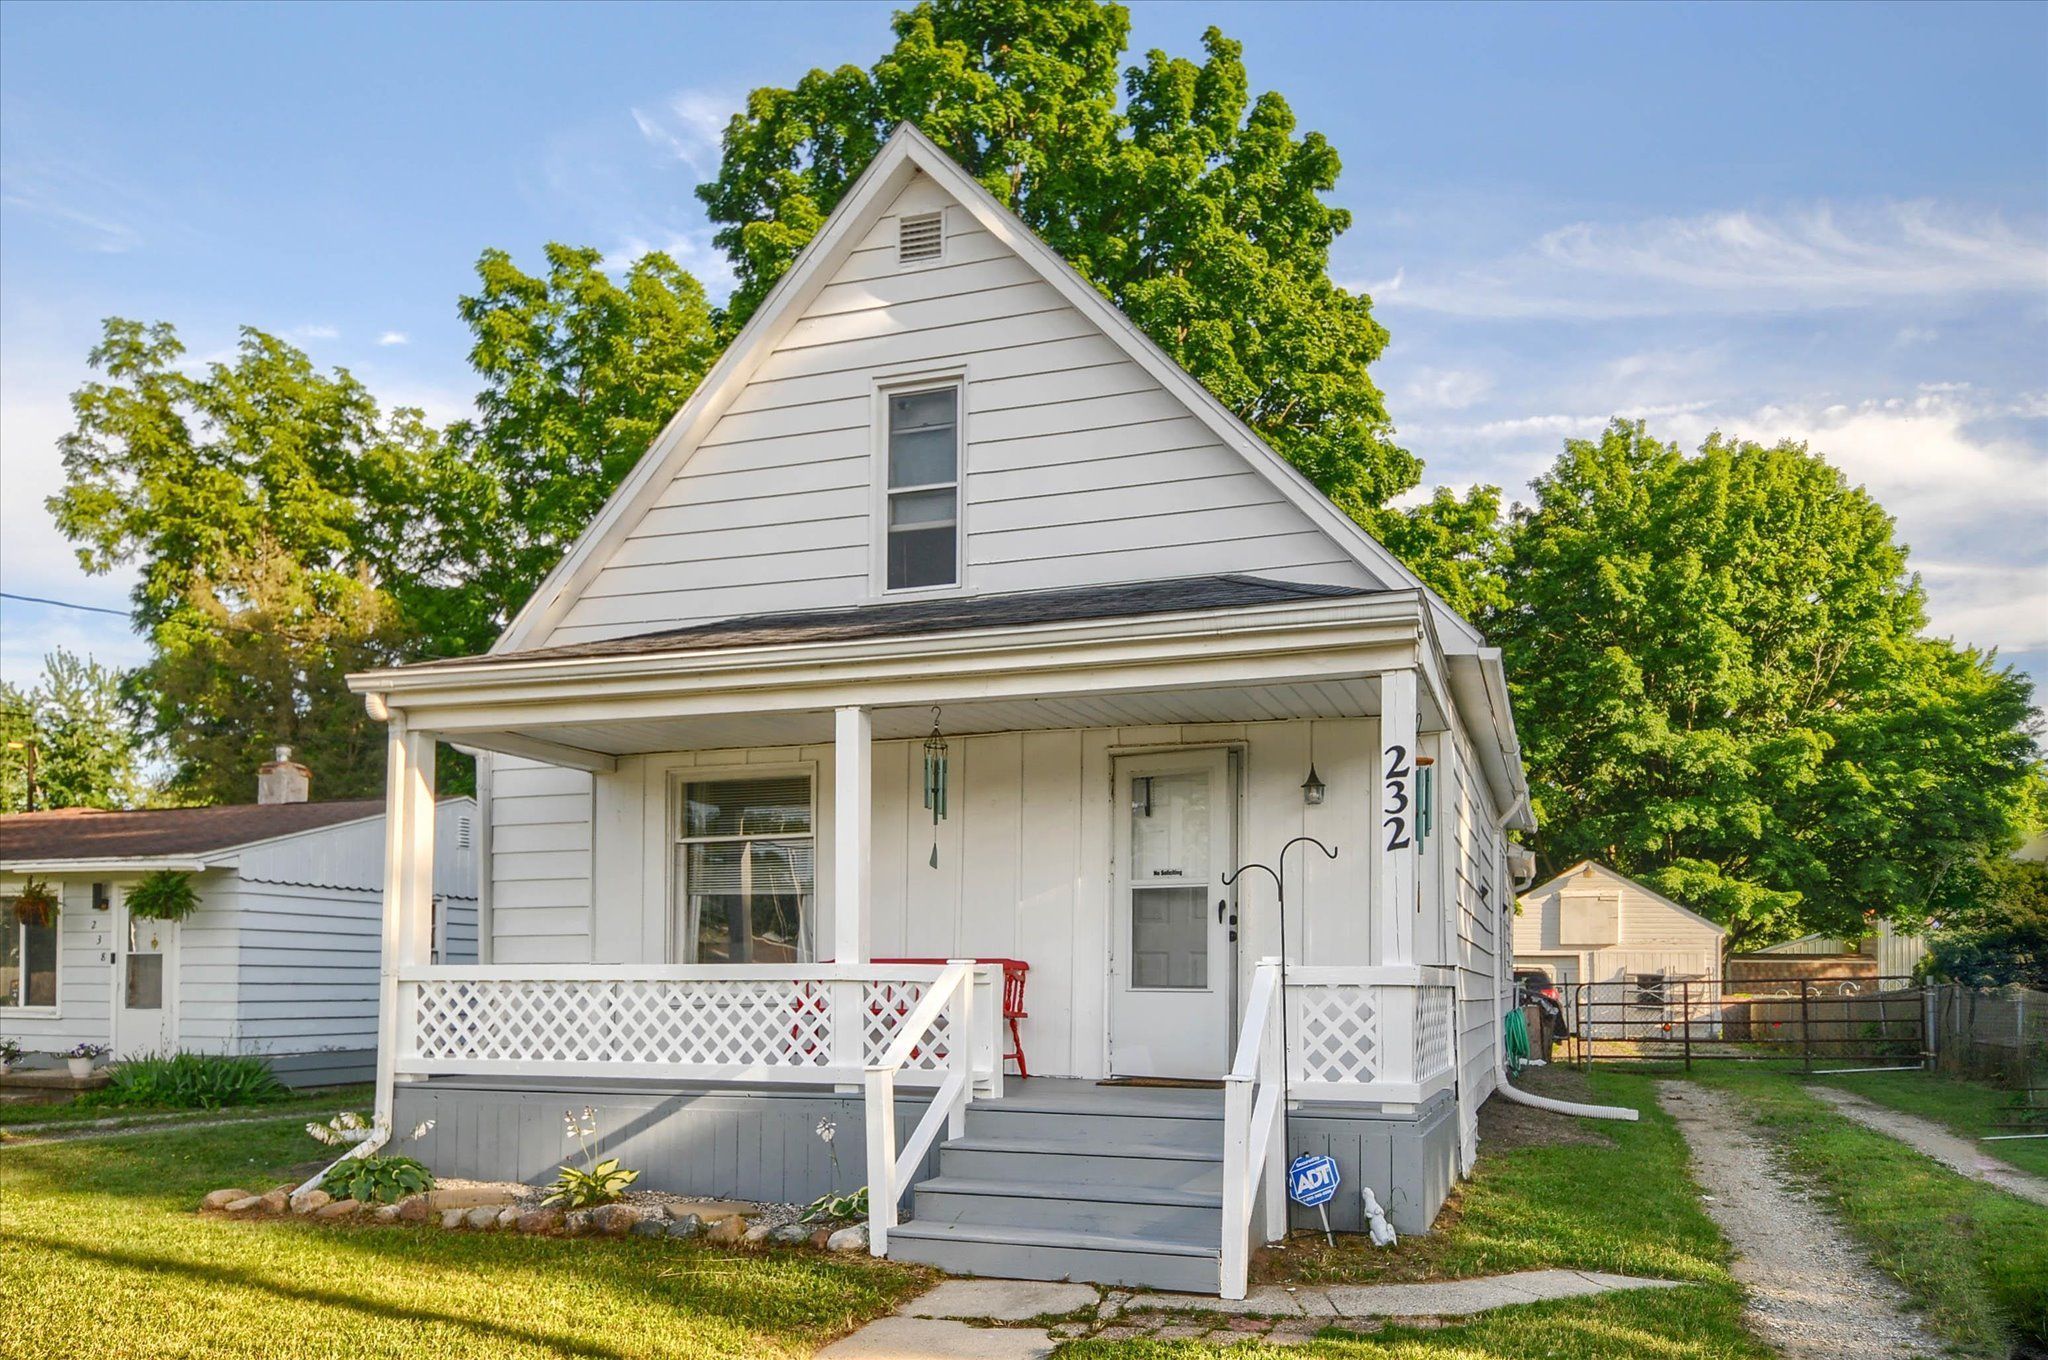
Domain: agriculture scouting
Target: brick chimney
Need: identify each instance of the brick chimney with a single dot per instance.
(283, 780)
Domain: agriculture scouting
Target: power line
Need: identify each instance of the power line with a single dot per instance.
(63, 604)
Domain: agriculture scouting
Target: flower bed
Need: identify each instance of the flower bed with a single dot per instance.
(511, 1207)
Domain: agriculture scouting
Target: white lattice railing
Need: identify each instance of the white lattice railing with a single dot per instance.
(1383, 1034)
(922, 1041)
(779, 1023)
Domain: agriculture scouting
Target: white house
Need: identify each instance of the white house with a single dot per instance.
(278, 960)
(951, 620)
(1644, 960)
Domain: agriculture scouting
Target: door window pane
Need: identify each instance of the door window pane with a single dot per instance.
(1170, 828)
(1169, 937)
(145, 982)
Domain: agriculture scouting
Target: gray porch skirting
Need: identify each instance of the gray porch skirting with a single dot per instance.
(1409, 1160)
(758, 1143)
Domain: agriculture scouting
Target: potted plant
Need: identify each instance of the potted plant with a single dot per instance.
(81, 1058)
(10, 1054)
(165, 895)
(36, 904)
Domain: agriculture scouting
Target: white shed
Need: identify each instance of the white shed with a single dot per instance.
(280, 959)
(1590, 925)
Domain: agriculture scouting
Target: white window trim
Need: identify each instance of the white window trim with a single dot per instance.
(56, 1012)
(878, 554)
(673, 837)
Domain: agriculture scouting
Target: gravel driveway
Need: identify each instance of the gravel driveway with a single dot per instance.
(1812, 1292)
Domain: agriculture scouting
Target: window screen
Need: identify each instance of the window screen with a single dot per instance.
(744, 861)
(924, 489)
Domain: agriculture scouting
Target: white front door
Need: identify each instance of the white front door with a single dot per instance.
(145, 984)
(1171, 955)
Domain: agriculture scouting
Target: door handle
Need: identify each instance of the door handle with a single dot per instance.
(1220, 904)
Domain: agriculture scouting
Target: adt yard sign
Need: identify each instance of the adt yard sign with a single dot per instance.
(1312, 1180)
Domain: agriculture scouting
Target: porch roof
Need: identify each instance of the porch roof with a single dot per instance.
(951, 614)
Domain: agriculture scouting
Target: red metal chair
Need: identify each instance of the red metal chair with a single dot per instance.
(1013, 1003)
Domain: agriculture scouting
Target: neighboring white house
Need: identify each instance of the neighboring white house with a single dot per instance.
(943, 527)
(1628, 944)
(280, 959)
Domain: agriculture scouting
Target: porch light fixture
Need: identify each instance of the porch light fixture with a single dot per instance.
(935, 782)
(1312, 788)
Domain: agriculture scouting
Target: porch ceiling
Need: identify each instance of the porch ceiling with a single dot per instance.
(1350, 697)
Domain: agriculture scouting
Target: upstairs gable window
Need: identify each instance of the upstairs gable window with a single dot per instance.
(922, 528)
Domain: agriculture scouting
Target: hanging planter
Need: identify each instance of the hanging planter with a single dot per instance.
(165, 895)
(36, 904)
(935, 783)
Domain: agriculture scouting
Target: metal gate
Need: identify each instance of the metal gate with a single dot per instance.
(1880, 1021)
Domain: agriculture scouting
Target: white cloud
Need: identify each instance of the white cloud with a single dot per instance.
(394, 338)
(692, 250)
(316, 331)
(690, 126)
(1818, 256)
(96, 232)
(1447, 389)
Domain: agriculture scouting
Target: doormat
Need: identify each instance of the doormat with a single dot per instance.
(1177, 1083)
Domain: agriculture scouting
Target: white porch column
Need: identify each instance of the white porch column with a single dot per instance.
(408, 886)
(1394, 850)
(853, 797)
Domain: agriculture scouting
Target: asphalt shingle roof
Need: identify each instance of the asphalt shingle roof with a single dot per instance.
(951, 614)
(145, 833)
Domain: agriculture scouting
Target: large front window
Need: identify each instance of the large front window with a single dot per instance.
(744, 866)
(28, 961)
(923, 531)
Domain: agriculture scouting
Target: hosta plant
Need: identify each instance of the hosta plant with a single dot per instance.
(376, 1180)
(594, 1182)
(826, 1207)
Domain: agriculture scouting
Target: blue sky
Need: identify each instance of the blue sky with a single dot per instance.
(1824, 222)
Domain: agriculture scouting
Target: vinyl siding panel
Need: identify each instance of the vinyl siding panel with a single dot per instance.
(1079, 469)
(540, 867)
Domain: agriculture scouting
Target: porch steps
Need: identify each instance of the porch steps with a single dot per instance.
(1068, 1181)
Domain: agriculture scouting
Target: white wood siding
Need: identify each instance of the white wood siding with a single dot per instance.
(1655, 937)
(1079, 468)
(84, 994)
(540, 862)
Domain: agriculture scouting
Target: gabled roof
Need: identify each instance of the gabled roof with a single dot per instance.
(164, 833)
(904, 155)
(1621, 881)
(956, 613)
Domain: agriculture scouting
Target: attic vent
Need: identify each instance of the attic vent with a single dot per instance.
(920, 238)
(462, 833)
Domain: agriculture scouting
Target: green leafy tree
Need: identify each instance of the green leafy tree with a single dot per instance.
(1195, 207)
(1724, 690)
(581, 372)
(85, 746)
(285, 530)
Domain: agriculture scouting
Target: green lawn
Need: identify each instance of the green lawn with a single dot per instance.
(1970, 1108)
(1976, 1258)
(101, 1254)
(86, 1110)
(1620, 1201)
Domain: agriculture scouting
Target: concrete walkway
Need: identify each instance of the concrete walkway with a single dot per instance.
(1026, 1319)
(1954, 1151)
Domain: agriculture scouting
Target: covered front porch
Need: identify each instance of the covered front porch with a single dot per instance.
(1108, 777)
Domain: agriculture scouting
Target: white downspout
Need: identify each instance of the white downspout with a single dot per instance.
(1500, 1059)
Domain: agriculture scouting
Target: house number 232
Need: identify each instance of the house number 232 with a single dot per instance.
(1396, 821)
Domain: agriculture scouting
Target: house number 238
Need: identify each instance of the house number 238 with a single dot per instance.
(1396, 820)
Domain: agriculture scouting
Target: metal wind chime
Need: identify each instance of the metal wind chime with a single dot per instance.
(935, 782)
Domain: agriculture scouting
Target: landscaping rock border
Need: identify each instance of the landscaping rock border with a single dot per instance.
(465, 1209)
